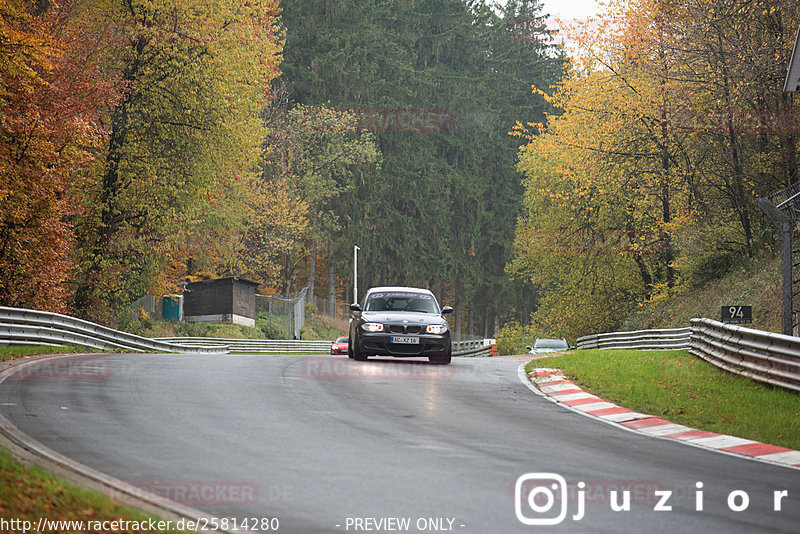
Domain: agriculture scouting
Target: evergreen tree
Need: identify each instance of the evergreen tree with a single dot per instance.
(440, 83)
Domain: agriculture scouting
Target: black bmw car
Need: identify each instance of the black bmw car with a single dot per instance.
(402, 322)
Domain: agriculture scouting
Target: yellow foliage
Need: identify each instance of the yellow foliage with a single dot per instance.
(612, 182)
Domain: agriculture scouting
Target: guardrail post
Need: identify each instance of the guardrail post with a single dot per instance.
(787, 230)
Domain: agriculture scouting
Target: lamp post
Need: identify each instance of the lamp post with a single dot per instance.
(355, 274)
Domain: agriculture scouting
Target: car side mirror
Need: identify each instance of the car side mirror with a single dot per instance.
(447, 309)
(355, 307)
(529, 348)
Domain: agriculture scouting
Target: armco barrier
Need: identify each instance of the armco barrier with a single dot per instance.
(254, 345)
(463, 348)
(20, 326)
(475, 348)
(664, 339)
(763, 356)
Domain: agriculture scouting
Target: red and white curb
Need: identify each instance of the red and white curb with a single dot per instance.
(551, 384)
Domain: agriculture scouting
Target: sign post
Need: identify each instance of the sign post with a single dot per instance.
(774, 207)
(355, 274)
(737, 314)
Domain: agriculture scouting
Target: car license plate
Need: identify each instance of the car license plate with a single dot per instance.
(406, 340)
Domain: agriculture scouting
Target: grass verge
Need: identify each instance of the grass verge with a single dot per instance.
(16, 351)
(686, 390)
(29, 493)
(317, 327)
(757, 284)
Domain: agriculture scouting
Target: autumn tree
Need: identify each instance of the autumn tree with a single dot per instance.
(733, 57)
(53, 91)
(648, 176)
(275, 232)
(317, 151)
(183, 141)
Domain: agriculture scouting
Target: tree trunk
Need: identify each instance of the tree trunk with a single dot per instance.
(312, 271)
(738, 196)
(288, 285)
(457, 320)
(331, 283)
(110, 219)
(666, 218)
(385, 275)
(471, 320)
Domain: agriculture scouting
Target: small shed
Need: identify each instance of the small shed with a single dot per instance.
(224, 300)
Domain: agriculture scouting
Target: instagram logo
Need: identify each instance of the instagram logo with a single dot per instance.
(541, 498)
(538, 492)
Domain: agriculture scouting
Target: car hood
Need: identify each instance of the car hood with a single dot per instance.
(399, 317)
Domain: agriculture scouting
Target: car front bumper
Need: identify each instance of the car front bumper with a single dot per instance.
(380, 344)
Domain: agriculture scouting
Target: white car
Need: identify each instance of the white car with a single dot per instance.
(543, 345)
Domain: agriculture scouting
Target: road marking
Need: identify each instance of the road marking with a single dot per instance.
(553, 386)
(664, 430)
(573, 396)
(788, 458)
(594, 406)
(646, 422)
(721, 442)
(692, 434)
(591, 399)
(563, 385)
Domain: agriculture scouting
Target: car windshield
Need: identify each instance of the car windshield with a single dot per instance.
(550, 344)
(342, 340)
(401, 302)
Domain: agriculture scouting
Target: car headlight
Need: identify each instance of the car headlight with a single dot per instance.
(372, 327)
(436, 329)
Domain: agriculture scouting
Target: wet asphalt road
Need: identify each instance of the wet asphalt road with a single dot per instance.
(326, 444)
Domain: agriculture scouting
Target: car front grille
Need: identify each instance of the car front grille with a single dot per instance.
(405, 329)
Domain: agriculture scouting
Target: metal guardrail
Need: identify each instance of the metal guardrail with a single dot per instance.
(254, 345)
(663, 339)
(474, 348)
(20, 326)
(462, 348)
(763, 356)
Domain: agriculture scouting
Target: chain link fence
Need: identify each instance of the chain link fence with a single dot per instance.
(331, 308)
(286, 313)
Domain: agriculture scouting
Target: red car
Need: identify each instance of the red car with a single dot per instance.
(340, 345)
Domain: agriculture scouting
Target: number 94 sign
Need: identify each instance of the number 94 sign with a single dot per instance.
(737, 314)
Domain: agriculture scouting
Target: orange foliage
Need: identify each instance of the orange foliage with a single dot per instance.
(51, 94)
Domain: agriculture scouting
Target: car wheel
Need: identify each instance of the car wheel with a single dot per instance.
(443, 360)
(350, 348)
(357, 354)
